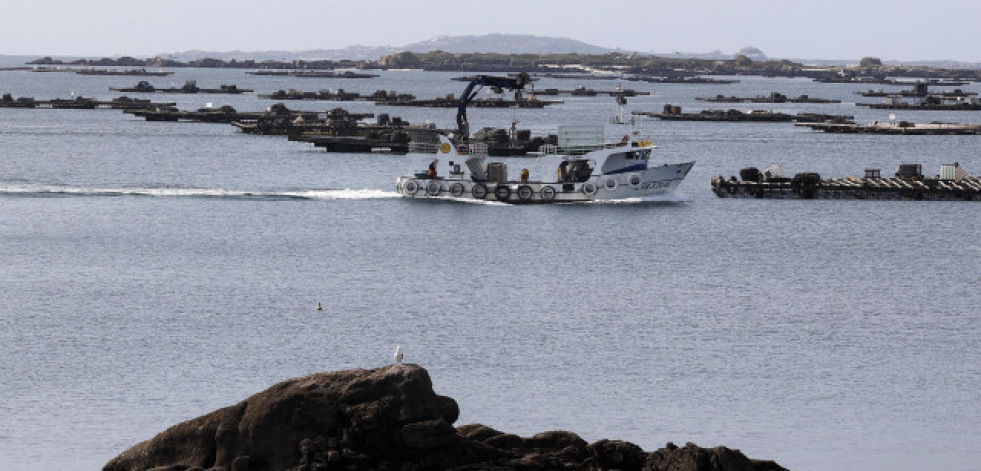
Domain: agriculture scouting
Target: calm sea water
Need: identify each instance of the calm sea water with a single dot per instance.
(154, 272)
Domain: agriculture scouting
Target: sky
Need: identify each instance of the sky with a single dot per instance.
(818, 29)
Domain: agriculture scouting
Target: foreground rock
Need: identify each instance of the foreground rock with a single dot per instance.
(387, 419)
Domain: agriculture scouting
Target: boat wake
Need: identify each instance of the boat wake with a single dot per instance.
(670, 198)
(61, 191)
(57, 191)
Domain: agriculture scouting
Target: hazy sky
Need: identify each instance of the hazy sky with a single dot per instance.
(829, 29)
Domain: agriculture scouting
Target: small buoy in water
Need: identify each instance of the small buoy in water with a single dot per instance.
(398, 354)
(319, 307)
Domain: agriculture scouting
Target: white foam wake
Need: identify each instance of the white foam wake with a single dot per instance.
(314, 194)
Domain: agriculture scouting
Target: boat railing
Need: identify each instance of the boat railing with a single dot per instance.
(552, 149)
(417, 147)
(476, 148)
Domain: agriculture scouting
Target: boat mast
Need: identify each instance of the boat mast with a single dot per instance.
(620, 117)
(621, 101)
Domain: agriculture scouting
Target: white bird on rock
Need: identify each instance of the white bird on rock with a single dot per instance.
(398, 354)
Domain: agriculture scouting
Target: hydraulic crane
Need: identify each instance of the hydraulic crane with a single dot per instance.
(498, 84)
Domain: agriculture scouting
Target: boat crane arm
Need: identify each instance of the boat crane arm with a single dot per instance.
(498, 83)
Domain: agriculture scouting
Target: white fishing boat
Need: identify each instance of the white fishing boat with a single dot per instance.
(587, 167)
(586, 171)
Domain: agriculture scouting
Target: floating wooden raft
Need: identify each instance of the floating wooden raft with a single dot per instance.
(928, 189)
(900, 128)
(80, 103)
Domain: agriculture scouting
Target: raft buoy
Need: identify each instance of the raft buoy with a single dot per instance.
(588, 189)
(502, 192)
(479, 191)
(434, 188)
(634, 180)
(456, 189)
(410, 188)
(525, 192)
(548, 193)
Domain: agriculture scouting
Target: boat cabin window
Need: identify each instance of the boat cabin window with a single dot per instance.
(574, 171)
(632, 161)
(635, 155)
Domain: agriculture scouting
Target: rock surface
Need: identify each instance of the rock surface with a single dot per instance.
(387, 419)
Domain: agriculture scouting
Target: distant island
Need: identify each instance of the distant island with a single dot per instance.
(510, 53)
(521, 44)
(869, 70)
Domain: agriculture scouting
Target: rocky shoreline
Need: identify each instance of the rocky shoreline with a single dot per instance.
(388, 418)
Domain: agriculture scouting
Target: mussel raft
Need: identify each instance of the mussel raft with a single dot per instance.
(904, 186)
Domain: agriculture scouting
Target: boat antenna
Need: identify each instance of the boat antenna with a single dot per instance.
(513, 132)
(621, 101)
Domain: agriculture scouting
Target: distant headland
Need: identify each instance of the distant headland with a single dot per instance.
(502, 53)
(868, 70)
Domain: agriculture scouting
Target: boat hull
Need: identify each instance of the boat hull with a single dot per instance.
(653, 181)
